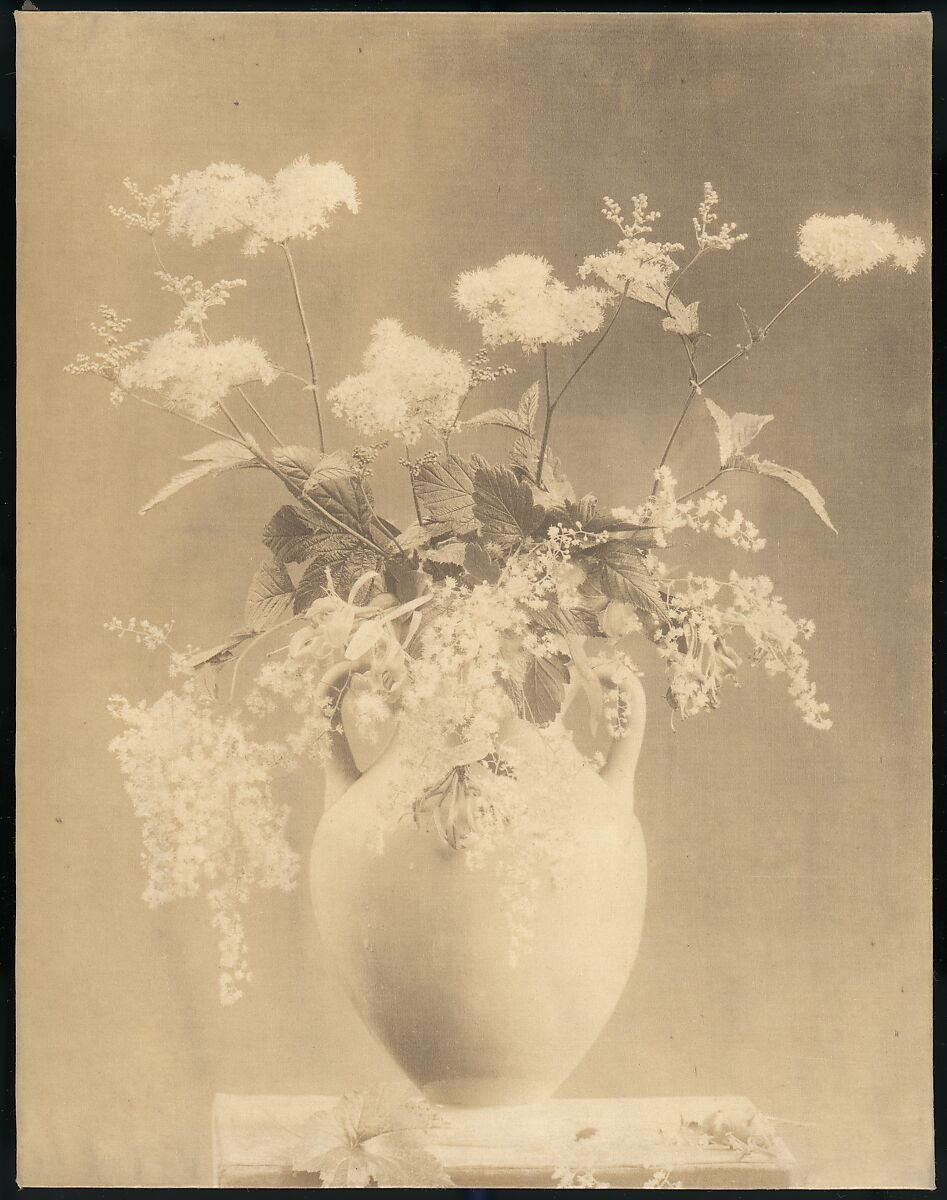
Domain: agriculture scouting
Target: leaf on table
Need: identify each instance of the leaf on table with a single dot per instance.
(445, 491)
(212, 459)
(270, 595)
(794, 479)
(734, 433)
(372, 1138)
(504, 507)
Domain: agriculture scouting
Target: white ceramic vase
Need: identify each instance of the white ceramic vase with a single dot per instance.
(421, 941)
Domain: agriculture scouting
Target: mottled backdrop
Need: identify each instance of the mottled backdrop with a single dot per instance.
(787, 940)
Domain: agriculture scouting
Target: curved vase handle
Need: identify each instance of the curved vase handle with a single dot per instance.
(340, 769)
(622, 760)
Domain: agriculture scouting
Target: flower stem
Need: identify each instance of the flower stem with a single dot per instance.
(598, 342)
(259, 416)
(550, 409)
(697, 384)
(703, 486)
(414, 495)
(677, 279)
(313, 373)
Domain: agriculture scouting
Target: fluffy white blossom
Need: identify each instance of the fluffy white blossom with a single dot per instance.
(850, 246)
(638, 267)
(195, 376)
(518, 300)
(407, 386)
(226, 198)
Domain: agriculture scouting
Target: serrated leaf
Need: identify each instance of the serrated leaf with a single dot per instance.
(524, 457)
(217, 655)
(452, 552)
(371, 1139)
(212, 459)
(290, 534)
(329, 468)
(348, 561)
(504, 507)
(298, 462)
(794, 479)
(343, 498)
(528, 407)
(734, 433)
(505, 418)
(445, 491)
(544, 688)
(619, 572)
(479, 565)
(270, 595)
(683, 319)
(568, 622)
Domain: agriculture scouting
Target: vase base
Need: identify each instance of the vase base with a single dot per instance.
(486, 1092)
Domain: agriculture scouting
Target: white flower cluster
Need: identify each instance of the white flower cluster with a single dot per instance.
(639, 267)
(850, 246)
(704, 514)
(724, 238)
(226, 198)
(196, 375)
(197, 298)
(202, 789)
(407, 386)
(152, 206)
(518, 300)
(108, 363)
(142, 631)
(699, 658)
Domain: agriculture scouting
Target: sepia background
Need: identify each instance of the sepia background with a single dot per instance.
(786, 947)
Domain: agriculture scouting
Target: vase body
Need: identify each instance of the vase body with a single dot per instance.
(479, 999)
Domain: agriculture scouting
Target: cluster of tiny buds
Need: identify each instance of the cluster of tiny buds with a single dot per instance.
(482, 372)
(642, 221)
(413, 466)
(364, 457)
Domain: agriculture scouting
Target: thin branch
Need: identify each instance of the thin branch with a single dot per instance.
(703, 486)
(550, 409)
(598, 342)
(313, 373)
(414, 495)
(259, 416)
(677, 279)
(191, 420)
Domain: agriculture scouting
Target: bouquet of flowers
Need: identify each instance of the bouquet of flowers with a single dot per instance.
(508, 592)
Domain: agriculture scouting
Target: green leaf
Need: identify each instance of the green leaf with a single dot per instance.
(505, 418)
(794, 479)
(524, 458)
(270, 595)
(617, 569)
(290, 535)
(343, 498)
(416, 536)
(544, 688)
(683, 318)
(445, 491)
(212, 459)
(528, 407)
(568, 622)
(504, 507)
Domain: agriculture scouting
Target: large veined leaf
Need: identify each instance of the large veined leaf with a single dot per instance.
(445, 491)
(270, 595)
(330, 467)
(290, 534)
(345, 500)
(794, 479)
(734, 433)
(504, 507)
(347, 560)
(505, 418)
(524, 457)
(212, 459)
(297, 462)
(683, 319)
(544, 688)
(617, 569)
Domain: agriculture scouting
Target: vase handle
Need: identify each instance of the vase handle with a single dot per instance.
(622, 759)
(340, 769)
